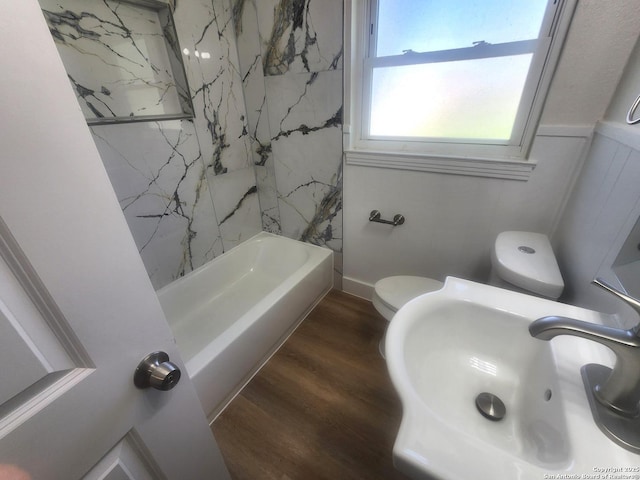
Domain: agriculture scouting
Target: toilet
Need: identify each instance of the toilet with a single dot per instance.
(525, 262)
(520, 261)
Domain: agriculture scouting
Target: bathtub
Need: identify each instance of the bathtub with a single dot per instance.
(230, 315)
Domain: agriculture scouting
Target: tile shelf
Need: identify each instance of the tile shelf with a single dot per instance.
(123, 59)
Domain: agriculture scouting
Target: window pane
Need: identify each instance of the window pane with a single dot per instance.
(432, 25)
(472, 99)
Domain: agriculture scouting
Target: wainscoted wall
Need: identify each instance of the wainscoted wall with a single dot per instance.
(187, 187)
(451, 220)
(604, 204)
(601, 212)
(291, 64)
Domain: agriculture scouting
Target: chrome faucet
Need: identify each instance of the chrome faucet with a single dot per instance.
(620, 390)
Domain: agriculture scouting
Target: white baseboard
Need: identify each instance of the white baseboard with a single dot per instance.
(357, 288)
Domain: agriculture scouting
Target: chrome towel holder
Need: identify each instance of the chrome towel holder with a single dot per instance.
(398, 219)
(632, 111)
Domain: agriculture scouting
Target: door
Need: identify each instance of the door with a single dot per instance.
(77, 310)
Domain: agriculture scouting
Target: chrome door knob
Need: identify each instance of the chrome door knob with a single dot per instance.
(156, 371)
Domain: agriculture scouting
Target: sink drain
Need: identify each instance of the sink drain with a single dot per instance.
(490, 406)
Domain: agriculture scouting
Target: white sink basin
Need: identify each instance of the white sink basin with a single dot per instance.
(446, 347)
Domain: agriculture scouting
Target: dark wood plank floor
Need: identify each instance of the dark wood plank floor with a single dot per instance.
(322, 408)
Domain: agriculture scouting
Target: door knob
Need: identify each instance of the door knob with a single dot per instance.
(155, 370)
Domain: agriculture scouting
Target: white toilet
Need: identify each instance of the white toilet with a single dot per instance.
(520, 261)
(525, 262)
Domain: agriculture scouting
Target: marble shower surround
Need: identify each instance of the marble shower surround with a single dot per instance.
(122, 59)
(188, 188)
(291, 62)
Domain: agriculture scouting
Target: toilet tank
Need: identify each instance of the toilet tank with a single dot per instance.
(525, 262)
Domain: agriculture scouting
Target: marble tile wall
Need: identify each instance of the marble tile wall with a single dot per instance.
(187, 187)
(291, 56)
(122, 59)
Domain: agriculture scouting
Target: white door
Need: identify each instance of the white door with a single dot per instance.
(77, 310)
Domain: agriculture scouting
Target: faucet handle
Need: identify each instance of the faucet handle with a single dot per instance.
(633, 302)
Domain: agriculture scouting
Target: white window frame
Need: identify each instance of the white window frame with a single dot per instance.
(508, 159)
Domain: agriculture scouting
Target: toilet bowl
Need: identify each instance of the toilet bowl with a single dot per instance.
(520, 261)
(391, 293)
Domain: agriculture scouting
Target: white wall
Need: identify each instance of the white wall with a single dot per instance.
(628, 89)
(452, 220)
(601, 212)
(599, 42)
(604, 204)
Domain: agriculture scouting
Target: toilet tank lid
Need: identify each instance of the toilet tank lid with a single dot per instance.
(526, 259)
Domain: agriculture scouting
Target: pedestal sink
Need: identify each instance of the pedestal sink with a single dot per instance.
(446, 348)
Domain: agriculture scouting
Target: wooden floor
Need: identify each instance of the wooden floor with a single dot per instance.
(322, 408)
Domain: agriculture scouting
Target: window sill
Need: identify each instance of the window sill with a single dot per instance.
(476, 167)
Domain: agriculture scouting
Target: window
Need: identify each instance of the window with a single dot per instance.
(450, 79)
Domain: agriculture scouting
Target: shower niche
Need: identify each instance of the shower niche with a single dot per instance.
(122, 58)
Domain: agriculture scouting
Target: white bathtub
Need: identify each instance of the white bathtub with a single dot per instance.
(230, 315)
